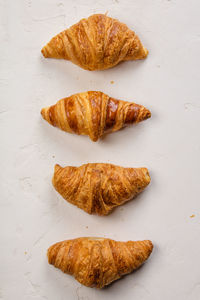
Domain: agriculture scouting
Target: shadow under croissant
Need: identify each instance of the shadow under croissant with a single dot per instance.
(131, 274)
(128, 204)
(125, 66)
(115, 210)
(111, 285)
(105, 288)
(66, 66)
(106, 139)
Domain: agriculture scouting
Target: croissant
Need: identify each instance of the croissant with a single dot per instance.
(96, 43)
(96, 262)
(98, 188)
(93, 114)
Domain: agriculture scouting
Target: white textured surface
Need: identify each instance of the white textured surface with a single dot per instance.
(33, 215)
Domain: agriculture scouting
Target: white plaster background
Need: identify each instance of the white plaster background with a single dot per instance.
(34, 216)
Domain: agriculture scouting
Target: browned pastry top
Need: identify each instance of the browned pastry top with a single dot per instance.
(98, 187)
(93, 113)
(96, 262)
(96, 43)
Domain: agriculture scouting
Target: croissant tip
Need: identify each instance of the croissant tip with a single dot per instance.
(146, 175)
(45, 114)
(42, 112)
(57, 167)
(147, 114)
(44, 52)
(144, 114)
(149, 244)
(146, 52)
(149, 247)
(48, 254)
(142, 52)
(146, 246)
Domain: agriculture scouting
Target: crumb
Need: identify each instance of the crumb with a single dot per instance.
(158, 66)
(122, 208)
(25, 252)
(53, 156)
(192, 216)
(86, 227)
(112, 82)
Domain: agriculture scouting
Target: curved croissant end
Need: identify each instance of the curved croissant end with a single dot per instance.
(96, 43)
(55, 48)
(93, 113)
(96, 262)
(98, 188)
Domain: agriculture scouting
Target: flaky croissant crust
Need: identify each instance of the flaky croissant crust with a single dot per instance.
(97, 187)
(93, 113)
(96, 262)
(96, 43)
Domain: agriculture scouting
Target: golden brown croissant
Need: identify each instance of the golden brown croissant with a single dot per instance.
(93, 113)
(96, 262)
(98, 188)
(96, 43)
